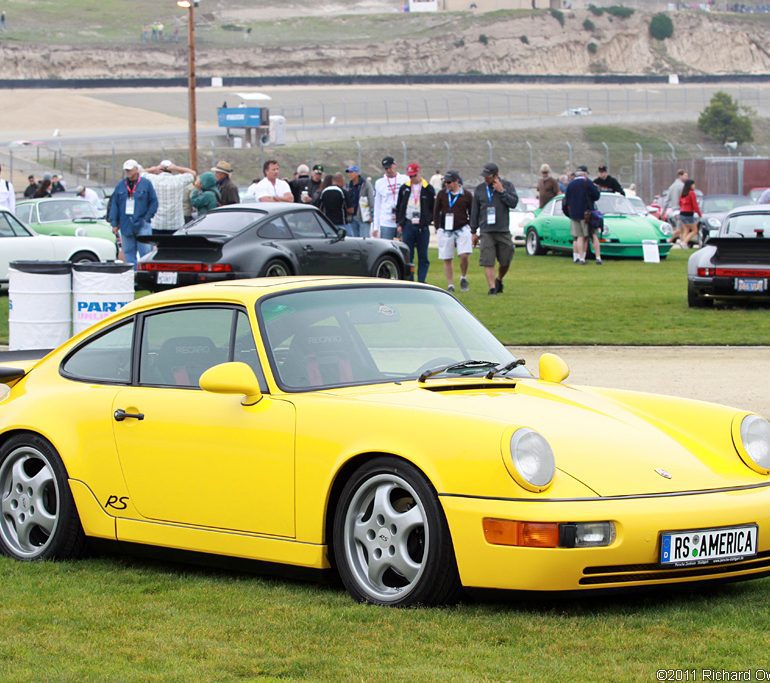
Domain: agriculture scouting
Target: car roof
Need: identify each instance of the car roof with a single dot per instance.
(255, 288)
(265, 207)
(750, 208)
(65, 198)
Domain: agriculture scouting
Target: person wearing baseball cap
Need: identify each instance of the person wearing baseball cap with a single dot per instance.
(578, 201)
(361, 196)
(169, 182)
(547, 186)
(492, 200)
(133, 205)
(604, 181)
(451, 217)
(414, 213)
(385, 199)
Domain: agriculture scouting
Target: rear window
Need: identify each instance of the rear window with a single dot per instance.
(222, 223)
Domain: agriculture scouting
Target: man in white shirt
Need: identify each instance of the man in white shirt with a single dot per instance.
(92, 198)
(385, 199)
(7, 194)
(169, 181)
(271, 188)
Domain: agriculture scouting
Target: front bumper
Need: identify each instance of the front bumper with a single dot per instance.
(630, 561)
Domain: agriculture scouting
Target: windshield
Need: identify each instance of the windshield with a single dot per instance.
(362, 335)
(54, 210)
(222, 223)
(723, 204)
(615, 204)
(638, 205)
(746, 224)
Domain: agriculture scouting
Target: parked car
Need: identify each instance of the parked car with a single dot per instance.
(756, 192)
(265, 240)
(376, 428)
(715, 207)
(63, 216)
(624, 230)
(19, 243)
(734, 265)
(518, 218)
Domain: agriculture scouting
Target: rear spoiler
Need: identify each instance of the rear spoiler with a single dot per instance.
(186, 241)
(743, 249)
(16, 364)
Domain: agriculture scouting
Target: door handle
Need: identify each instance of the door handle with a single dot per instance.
(121, 415)
(307, 247)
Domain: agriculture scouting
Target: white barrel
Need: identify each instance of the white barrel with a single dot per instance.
(39, 304)
(98, 290)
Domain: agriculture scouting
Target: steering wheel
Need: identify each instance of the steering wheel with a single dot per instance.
(436, 362)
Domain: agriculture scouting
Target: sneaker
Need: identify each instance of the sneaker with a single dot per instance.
(450, 288)
(581, 262)
(598, 262)
(492, 291)
(464, 286)
(498, 286)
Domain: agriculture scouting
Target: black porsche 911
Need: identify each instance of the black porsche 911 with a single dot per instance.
(264, 240)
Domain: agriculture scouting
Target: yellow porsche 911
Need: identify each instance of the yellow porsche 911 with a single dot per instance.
(376, 428)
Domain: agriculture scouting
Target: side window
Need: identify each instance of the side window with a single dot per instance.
(178, 346)
(274, 229)
(556, 208)
(107, 358)
(5, 226)
(305, 225)
(244, 348)
(16, 227)
(24, 213)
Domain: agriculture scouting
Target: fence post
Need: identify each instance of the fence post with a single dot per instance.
(606, 154)
(673, 151)
(569, 147)
(448, 156)
(10, 163)
(358, 147)
(404, 147)
(491, 151)
(531, 160)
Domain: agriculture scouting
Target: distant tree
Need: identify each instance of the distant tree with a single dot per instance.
(620, 11)
(725, 120)
(558, 15)
(596, 11)
(592, 48)
(524, 39)
(483, 39)
(589, 25)
(661, 26)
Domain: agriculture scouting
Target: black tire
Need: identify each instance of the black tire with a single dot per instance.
(532, 244)
(694, 300)
(84, 257)
(388, 504)
(387, 268)
(275, 268)
(38, 518)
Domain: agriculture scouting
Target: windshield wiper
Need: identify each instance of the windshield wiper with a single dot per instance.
(506, 367)
(472, 364)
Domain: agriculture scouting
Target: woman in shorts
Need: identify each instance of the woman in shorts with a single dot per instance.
(688, 209)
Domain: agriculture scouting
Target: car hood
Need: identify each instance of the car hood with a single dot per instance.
(612, 446)
(640, 227)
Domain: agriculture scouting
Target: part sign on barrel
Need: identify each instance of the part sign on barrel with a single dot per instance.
(98, 290)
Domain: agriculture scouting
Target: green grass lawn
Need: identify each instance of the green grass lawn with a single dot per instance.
(549, 300)
(113, 619)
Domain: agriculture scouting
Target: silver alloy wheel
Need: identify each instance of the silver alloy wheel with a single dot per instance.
(276, 269)
(532, 246)
(386, 537)
(29, 502)
(387, 269)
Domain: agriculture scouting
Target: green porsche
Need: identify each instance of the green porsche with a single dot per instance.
(63, 216)
(622, 236)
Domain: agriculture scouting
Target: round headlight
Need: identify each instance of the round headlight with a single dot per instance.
(755, 436)
(666, 229)
(532, 460)
(80, 232)
(714, 222)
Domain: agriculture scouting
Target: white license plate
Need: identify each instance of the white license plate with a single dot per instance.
(704, 546)
(167, 278)
(749, 285)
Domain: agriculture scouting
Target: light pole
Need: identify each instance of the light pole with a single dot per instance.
(191, 112)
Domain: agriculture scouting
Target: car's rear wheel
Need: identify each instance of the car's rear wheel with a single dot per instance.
(533, 246)
(38, 519)
(386, 267)
(84, 257)
(391, 540)
(275, 268)
(695, 300)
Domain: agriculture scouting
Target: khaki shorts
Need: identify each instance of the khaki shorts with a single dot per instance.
(495, 245)
(578, 228)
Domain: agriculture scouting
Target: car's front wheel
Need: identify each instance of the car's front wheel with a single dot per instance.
(391, 540)
(386, 267)
(533, 246)
(695, 300)
(84, 257)
(38, 519)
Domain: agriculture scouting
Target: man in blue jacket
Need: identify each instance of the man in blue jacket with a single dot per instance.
(132, 206)
(579, 198)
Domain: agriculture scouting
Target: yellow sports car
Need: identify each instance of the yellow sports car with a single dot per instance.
(376, 428)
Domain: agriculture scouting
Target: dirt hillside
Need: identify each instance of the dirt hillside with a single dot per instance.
(450, 43)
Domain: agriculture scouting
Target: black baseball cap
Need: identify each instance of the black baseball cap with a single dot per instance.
(489, 170)
(602, 168)
(452, 176)
(583, 168)
(319, 168)
(387, 162)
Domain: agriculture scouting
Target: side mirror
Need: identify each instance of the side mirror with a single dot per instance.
(553, 368)
(341, 233)
(232, 378)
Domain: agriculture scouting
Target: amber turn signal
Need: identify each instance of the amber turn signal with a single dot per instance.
(528, 534)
